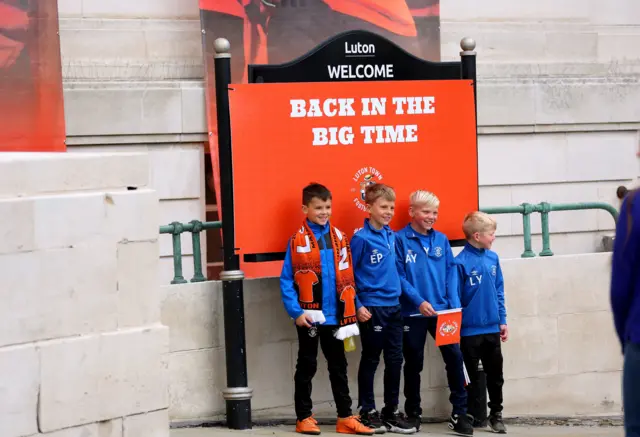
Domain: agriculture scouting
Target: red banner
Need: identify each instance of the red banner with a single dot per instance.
(31, 101)
(346, 135)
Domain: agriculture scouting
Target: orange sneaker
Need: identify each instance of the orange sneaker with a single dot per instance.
(352, 425)
(308, 426)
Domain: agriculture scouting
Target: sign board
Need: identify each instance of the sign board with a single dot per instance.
(407, 134)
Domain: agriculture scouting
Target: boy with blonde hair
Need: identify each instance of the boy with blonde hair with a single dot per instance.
(378, 311)
(429, 279)
(484, 316)
(318, 292)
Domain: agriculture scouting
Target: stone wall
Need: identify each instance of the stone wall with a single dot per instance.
(82, 349)
(557, 92)
(563, 358)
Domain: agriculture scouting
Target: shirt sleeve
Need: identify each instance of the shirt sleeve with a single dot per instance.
(502, 309)
(453, 279)
(287, 289)
(407, 289)
(624, 249)
(357, 251)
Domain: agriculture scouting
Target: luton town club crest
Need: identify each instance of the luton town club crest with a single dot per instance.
(363, 178)
(448, 329)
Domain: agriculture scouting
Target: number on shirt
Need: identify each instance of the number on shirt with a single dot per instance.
(343, 264)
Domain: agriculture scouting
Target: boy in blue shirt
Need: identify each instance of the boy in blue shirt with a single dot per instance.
(429, 278)
(484, 316)
(318, 292)
(378, 292)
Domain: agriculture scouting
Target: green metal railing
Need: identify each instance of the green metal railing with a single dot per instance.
(544, 208)
(526, 209)
(195, 227)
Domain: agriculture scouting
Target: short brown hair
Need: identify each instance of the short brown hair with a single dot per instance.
(315, 190)
(478, 222)
(377, 191)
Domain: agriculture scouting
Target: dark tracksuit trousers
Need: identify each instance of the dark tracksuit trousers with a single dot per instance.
(415, 337)
(381, 334)
(485, 348)
(333, 350)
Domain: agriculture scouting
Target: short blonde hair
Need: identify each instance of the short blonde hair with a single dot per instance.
(377, 191)
(478, 222)
(424, 198)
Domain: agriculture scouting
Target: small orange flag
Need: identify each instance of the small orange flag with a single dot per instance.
(448, 327)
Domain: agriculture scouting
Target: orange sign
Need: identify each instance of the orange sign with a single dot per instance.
(346, 135)
(448, 327)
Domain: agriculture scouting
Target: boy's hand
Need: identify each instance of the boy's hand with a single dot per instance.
(426, 309)
(504, 333)
(363, 315)
(304, 321)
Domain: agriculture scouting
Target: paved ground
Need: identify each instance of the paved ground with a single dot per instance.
(430, 430)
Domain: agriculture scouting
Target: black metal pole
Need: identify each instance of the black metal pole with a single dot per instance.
(237, 395)
(468, 61)
(478, 407)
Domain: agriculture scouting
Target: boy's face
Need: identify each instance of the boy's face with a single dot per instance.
(423, 217)
(318, 211)
(485, 239)
(382, 211)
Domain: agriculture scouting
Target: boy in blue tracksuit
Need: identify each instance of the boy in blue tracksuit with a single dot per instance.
(484, 315)
(429, 280)
(378, 292)
(317, 262)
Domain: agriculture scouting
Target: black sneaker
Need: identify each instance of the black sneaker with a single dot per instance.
(415, 420)
(480, 423)
(371, 419)
(496, 424)
(397, 423)
(461, 424)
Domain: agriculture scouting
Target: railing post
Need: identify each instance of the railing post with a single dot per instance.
(544, 222)
(526, 229)
(197, 251)
(177, 253)
(237, 395)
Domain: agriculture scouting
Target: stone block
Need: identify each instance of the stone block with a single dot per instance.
(133, 215)
(48, 173)
(587, 101)
(17, 233)
(184, 44)
(263, 326)
(588, 343)
(532, 349)
(94, 110)
(141, 9)
(138, 297)
(522, 286)
(177, 172)
(69, 219)
(193, 313)
(86, 41)
(19, 383)
(506, 104)
(194, 113)
(575, 284)
(196, 380)
(498, 196)
(109, 428)
(153, 424)
(69, 8)
(43, 298)
(128, 376)
(161, 111)
(564, 395)
(601, 156)
(544, 154)
(271, 359)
